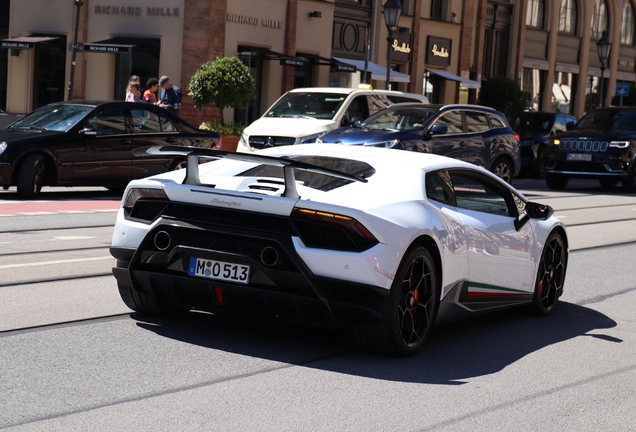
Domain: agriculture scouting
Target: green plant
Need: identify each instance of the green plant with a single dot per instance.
(226, 128)
(502, 94)
(224, 82)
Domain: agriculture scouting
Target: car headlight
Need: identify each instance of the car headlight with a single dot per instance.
(243, 139)
(556, 142)
(309, 138)
(386, 144)
(619, 144)
(3, 147)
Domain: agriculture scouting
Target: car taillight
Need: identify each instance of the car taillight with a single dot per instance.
(517, 137)
(219, 145)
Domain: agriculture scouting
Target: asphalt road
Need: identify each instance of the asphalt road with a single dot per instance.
(74, 358)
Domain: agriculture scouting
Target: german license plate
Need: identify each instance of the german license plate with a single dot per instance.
(219, 270)
(579, 157)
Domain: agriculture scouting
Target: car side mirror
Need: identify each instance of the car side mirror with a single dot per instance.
(355, 121)
(534, 211)
(89, 131)
(569, 125)
(437, 129)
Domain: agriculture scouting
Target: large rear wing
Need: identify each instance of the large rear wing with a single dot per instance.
(289, 165)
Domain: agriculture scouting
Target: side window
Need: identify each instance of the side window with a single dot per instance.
(109, 121)
(476, 121)
(378, 102)
(559, 124)
(453, 121)
(496, 122)
(439, 187)
(166, 125)
(358, 109)
(144, 120)
(474, 191)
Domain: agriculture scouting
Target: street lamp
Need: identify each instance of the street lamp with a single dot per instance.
(603, 47)
(78, 4)
(392, 12)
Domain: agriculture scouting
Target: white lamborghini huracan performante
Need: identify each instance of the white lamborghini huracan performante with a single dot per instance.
(384, 242)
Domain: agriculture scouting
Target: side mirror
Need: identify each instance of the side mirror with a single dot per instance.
(87, 132)
(534, 211)
(437, 129)
(569, 125)
(355, 121)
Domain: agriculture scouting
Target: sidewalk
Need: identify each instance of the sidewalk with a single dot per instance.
(6, 119)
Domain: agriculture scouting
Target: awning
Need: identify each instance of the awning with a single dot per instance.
(464, 82)
(378, 72)
(284, 59)
(533, 63)
(115, 45)
(335, 64)
(24, 42)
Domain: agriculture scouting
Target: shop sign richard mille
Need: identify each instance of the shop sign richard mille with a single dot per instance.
(136, 11)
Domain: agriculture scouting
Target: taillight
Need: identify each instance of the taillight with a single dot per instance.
(517, 137)
(219, 145)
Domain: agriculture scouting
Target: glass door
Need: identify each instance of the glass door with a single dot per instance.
(49, 71)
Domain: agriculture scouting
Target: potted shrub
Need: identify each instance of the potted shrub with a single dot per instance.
(502, 94)
(225, 82)
(230, 133)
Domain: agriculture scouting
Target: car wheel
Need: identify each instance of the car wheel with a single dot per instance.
(409, 311)
(551, 275)
(608, 183)
(555, 182)
(31, 176)
(540, 167)
(140, 302)
(502, 169)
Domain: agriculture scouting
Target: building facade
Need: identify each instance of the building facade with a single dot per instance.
(440, 48)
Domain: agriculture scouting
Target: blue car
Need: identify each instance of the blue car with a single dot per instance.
(472, 133)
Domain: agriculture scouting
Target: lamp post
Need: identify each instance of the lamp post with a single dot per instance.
(392, 12)
(603, 47)
(78, 5)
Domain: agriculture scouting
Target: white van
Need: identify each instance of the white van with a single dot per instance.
(302, 115)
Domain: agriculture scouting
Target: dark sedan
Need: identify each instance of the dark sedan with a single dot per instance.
(535, 130)
(91, 143)
(472, 133)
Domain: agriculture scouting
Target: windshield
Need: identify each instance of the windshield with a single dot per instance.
(307, 105)
(529, 122)
(605, 119)
(53, 117)
(399, 118)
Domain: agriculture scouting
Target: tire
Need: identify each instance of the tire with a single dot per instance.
(502, 169)
(140, 302)
(31, 176)
(550, 276)
(409, 311)
(608, 183)
(555, 182)
(539, 169)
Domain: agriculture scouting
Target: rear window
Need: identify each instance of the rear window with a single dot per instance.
(316, 180)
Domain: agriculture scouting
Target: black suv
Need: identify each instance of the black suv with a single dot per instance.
(602, 145)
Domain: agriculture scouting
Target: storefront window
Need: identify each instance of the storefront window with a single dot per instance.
(143, 61)
(50, 68)
(627, 26)
(303, 75)
(591, 91)
(563, 92)
(599, 19)
(532, 84)
(567, 16)
(254, 63)
(431, 88)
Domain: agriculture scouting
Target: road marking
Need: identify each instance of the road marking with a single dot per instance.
(73, 237)
(10, 266)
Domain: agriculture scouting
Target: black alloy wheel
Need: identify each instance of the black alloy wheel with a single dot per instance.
(409, 311)
(551, 275)
(31, 176)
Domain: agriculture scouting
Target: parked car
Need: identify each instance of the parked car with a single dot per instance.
(535, 130)
(89, 143)
(301, 115)
(472, 133)
(602, 146)
(383, 242)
